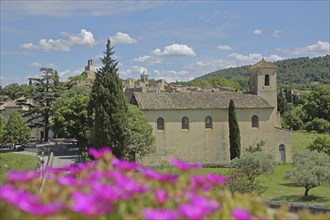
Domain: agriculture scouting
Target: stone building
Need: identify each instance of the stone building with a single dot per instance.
(193, 126)
(21, 105)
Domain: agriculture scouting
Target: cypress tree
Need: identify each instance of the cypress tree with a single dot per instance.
(234, 133)
(109, 106)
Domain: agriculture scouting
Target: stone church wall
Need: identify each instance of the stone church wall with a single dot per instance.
(211, 146)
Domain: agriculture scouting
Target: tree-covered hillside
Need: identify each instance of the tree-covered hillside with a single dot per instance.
(297, 72)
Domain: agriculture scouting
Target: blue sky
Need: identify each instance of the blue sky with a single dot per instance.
(173, 40)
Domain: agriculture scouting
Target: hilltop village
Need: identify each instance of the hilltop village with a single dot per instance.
(192, 123)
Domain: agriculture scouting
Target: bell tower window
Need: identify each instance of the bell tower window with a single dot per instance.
(267, 80)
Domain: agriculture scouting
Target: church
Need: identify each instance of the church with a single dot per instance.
(193, 126)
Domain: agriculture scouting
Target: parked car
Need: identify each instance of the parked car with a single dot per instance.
(6, 145)
(18, 147)
(30, 144)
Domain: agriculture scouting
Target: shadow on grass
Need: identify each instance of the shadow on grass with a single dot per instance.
(300, 198)
(290, 184)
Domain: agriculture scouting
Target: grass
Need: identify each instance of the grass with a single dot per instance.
(12, 161)
(276, 189)
(301, 139)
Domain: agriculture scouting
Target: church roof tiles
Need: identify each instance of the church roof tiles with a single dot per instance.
(263, 64)
(197, 100)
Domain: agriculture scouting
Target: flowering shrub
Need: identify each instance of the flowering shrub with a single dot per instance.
(109, 188)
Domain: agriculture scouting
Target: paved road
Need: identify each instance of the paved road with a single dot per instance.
(64, 156)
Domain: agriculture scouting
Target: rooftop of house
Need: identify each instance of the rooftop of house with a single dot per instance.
(196, 100)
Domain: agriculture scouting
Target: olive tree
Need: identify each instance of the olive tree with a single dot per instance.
(311, 169)
(247, 168)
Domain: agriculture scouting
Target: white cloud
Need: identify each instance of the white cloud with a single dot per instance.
(149, 60)
(133, 71)
(122, 38)
(35, 64)
(14, 53)
(175, 50)
(276, 33)
(320, 48)
(74, 8)
(224, 47)
(257, 32)
(85, 38)
(172, 75)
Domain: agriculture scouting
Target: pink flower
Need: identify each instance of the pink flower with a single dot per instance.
(98, 153)
(161, 196)
(21, 176)
(28, 202)
(198, 208)
(160, 214)
(66, 180)
(182, 165)
(199, 182)
(216, 179)
(124, 165)
(152, 174)
(241, 214)
(89, 204)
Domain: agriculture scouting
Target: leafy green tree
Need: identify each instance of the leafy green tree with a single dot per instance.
(234, 132)
(318, 103)
(2, 127)
(293, 118)
(16, 130)
(45, 92)
(318, 124)
(109, 106)
(320, 144)
(70, 117)
(141, 141)
(311, 169)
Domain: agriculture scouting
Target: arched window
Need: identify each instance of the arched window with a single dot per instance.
(255, 121)
(282, 152)
(185, 123)
(267, 80)
(208, 122)
(160, 124)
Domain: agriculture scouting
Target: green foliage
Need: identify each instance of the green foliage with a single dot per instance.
(247, 168)
(256, 147)
(234, 132)
(109, 105)
(320, 144)
(293, 119)
(254, 164)
(45, 91)
(318, 103)
(16, 130)
(297, 72)
(70, 117)
(311, 169)
(80, 77)
(282, 104)
(141, 141)
(13, 161)
(2, 127)
(214, 82)
(318, 124)
(14, 91)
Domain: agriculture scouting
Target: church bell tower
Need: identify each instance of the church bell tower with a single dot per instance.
(263, 81)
